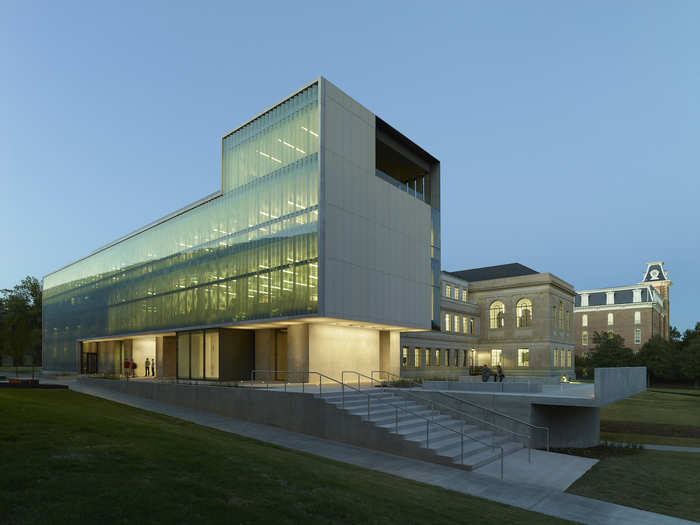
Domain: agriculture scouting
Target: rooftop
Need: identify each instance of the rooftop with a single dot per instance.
(500, 271)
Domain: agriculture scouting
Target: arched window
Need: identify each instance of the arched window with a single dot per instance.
(497, 317)
(523, 312)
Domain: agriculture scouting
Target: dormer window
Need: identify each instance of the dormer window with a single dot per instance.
(637, 295)
(584, 299)
(610, 298)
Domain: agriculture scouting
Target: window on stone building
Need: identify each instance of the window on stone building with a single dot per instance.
(464, 295)
(555, 358)
(523, 357)
(523, 313)
(446, 327)
(561, 315)
(610, 298)
(456, 294)
(404, 356)
(437, 357)
(637, 336)
(584, 320)
(426, 360)
(416, 357)
(457, 357)
(637, 295)
(554, 317)
(465, 324)
(448, 290)
(497, 317)
(611, 319)
(584, 338)
(471, 326)
(568, 359)
(496, 357)
(637, 317)
(456, 323)
(472, 357)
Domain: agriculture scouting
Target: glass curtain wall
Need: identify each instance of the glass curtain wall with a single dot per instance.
(249, 253)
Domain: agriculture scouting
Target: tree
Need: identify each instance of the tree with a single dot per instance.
(20, 321)
(660, 358)
(610, 351)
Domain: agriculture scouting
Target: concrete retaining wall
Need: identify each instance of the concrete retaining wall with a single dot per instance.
(293, 411)
(513, 387)
(613, 384)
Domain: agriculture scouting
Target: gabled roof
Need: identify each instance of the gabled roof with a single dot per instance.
(494, 272)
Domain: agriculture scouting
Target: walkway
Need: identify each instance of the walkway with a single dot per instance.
(536, 498)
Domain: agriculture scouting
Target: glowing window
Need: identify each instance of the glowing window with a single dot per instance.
(404, 356)
(523, 357)
(611, 319)
(446, 326)
(584, 320)
(637, 336)
(416, 357)
(496, 357)
(584, 338)
(497, 317)
(523, 312)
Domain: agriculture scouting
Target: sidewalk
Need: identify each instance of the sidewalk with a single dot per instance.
(539, 499)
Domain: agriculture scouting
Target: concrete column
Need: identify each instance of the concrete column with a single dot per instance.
(298, 350)
(390, 351)
(167, 366)
(265, 350)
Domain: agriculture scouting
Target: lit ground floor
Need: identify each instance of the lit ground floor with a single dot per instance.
(271, 350)
(448, 356)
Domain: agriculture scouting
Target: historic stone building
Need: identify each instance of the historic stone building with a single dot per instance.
(508, 314)
(636, 312)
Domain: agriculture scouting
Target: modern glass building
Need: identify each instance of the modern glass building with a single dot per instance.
(321, 246)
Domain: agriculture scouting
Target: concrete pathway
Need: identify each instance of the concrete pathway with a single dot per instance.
(672, 448)
(545, 500)
(547, 469)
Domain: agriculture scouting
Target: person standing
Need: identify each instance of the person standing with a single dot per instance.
(153, 367)
(148, 367)
(127, 367)
(485, 373)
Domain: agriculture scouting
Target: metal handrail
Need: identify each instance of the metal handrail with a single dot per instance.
(427, 420)
(473, 418)
(391, 374)
(486, 409)
(501, 414)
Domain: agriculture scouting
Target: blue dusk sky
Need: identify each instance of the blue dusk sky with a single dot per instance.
(568, 132)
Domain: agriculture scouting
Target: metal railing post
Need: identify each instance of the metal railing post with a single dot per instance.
(396, 421)
(427, 433)
(501, 463)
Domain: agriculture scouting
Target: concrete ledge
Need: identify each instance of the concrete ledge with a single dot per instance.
(613, 384)
(469, 386)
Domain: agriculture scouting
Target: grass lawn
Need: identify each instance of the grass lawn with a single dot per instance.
(653, 417)
(71, 458)
(664, 482)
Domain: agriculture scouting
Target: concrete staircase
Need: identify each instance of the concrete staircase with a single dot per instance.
(409, 420)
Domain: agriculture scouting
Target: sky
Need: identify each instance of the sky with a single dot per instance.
(568, 132)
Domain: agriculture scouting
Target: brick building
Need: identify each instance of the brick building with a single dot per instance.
(636, 312)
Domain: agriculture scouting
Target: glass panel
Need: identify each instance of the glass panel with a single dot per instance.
(183, 355)
(197, 355)
(211, 354)
(251, 253)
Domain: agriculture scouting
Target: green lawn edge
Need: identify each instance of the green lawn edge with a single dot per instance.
(69, 457)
